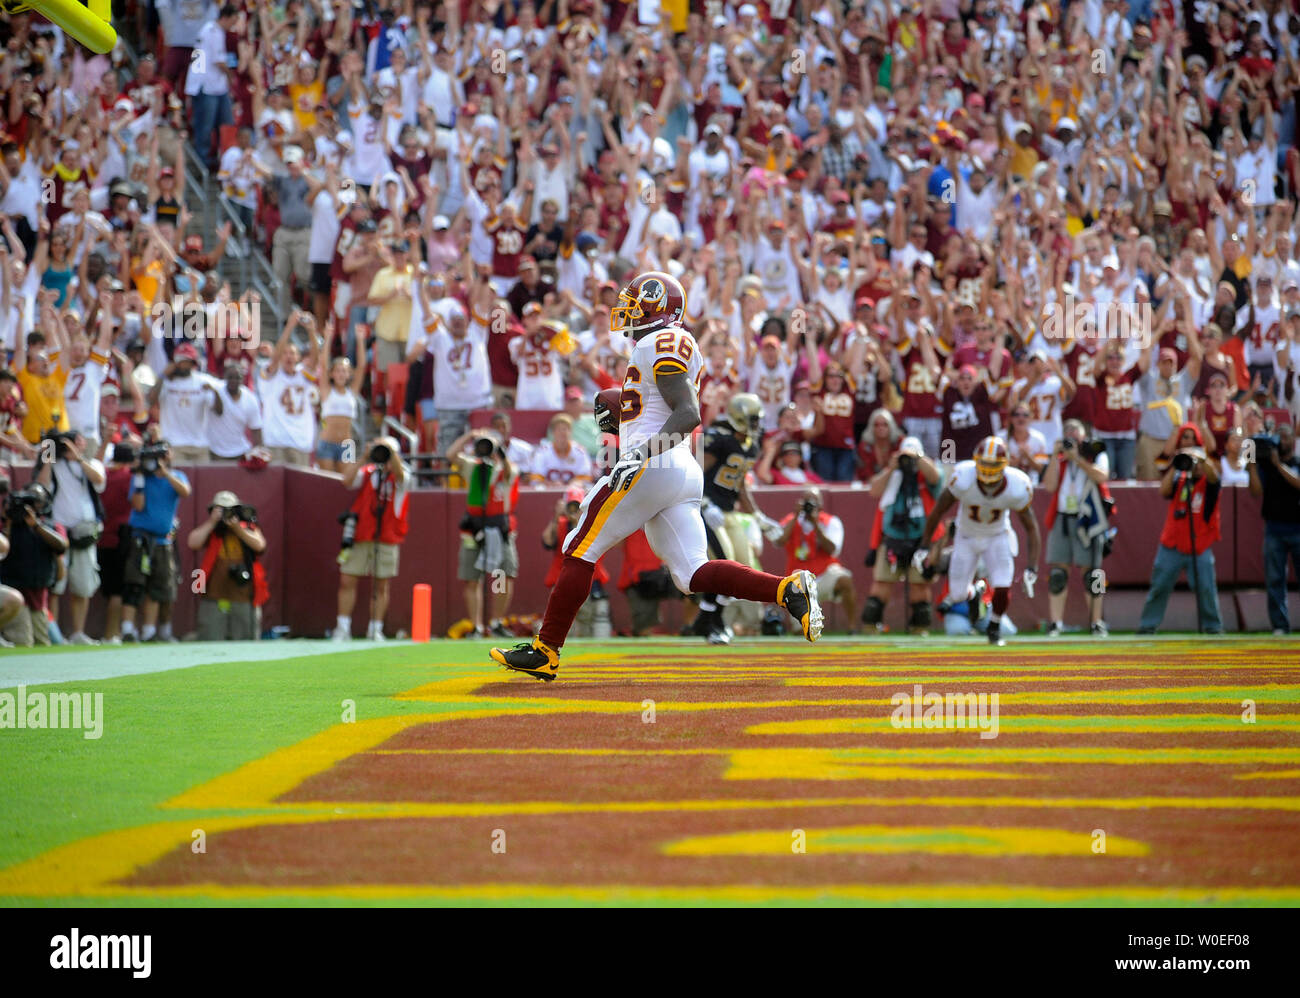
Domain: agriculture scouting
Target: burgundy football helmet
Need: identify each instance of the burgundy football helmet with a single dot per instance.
(651, 301)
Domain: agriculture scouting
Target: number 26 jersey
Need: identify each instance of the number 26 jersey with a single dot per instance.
(672, 350)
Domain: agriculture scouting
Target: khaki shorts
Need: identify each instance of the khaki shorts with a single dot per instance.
(82, 575)
(362, 560)
(389, 352)
(290, 456)
(503, 396)
(190, 455)
(1065, 548)
(466, 571)
(883, 571)
(228, 622)
(829, 579)
(1148, 449)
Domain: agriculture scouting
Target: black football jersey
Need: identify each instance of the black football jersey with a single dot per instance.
(734, 460)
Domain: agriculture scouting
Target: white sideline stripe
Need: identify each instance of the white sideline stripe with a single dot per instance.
(27, 669)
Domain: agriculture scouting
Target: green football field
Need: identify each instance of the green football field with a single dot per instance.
(660, 772)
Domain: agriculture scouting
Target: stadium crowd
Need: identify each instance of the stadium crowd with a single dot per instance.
(932, 220)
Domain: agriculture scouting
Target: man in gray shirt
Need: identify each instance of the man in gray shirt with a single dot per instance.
(290, 247)
(1165, 392)
(181, 21)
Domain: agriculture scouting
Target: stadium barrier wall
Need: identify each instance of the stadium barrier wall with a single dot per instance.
(298, 511)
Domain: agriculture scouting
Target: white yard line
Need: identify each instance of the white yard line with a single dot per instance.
(25, 669)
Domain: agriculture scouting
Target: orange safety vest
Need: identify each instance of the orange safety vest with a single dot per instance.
(801, 550)
(261, 591)
(392, 528)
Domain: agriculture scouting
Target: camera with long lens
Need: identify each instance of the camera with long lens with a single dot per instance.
(152, 456)
(242, 513)
(17, 503)
(349, 521)
(1264, 446)
(906, 463)
(483, 448)
(381, 454)
(808, 509)
(1184, 462)
(1067, 444)
(61, 439)
(1090, 449)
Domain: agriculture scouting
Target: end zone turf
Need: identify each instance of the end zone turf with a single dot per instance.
(663, 772)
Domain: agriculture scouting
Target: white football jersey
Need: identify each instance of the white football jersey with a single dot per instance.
(541, 376)
(288, 419)
(1261, 344)
(772, 386)
(547, 464)
(980, 514)
(1044, 402)
(461, 377)
(667, 351)
(81, 394)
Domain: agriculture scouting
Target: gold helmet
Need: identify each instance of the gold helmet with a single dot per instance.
(991, 459)
(745, 414)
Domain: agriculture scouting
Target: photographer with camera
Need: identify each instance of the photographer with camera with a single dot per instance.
(1077, 523)
(115, 536)
(377, 523)
(1275, 479)
(11, 600)
(905, 491)
(233, 579)
(487, 530)
(813, 539)
(75, 482)
(1191, 528)
(149, 563)
(32, 567)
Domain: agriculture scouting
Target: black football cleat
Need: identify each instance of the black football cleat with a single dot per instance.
(995, 636)
(535, 658)
(798, 594)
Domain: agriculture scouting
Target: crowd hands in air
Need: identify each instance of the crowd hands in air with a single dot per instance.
(931, 221)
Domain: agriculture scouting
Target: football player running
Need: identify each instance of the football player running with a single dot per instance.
(656, 484)
(730, 450)
(984, 491)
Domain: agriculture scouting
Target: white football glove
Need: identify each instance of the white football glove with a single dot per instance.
(713, 515)
(1029, 578)
(622, 474)
(771, 529)
(919, 558)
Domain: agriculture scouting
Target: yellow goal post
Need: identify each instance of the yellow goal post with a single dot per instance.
(89, 22)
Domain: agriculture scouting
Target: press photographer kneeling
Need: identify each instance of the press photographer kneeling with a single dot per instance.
(1191, 529)
(233, 580)
(32, 566)
(149, 566)
(75, 482)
